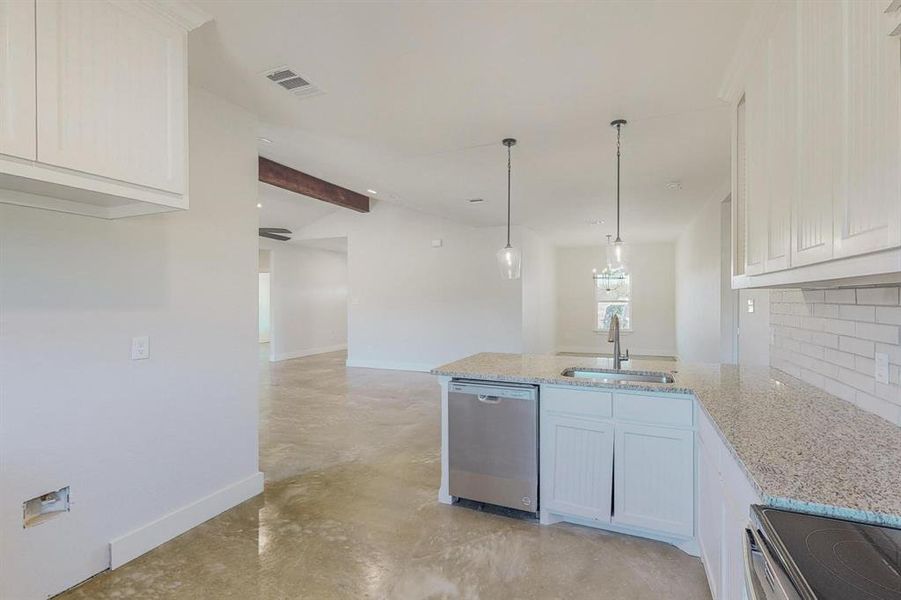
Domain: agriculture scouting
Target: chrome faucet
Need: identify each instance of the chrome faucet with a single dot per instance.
(613, 336)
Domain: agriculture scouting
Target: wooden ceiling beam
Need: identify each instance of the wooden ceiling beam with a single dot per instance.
(295, 181)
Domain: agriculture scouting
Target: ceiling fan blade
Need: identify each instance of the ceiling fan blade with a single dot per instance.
(275, 230)
(274, 236)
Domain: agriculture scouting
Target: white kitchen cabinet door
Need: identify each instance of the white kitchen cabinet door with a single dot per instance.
(781, 131)
(818, 38)
(756, 200)
(735, 520)
(111, 92)
(710, 517)
(868, 197)
(654, 482)
(17, 95)
(576, 466)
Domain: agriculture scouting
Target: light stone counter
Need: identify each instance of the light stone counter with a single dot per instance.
(802, 448)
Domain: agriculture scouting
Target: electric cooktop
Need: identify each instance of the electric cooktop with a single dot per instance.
(837, 560)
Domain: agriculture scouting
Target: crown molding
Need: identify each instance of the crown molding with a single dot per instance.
(184, 13)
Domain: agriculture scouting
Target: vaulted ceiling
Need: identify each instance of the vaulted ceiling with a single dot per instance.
(417, 97)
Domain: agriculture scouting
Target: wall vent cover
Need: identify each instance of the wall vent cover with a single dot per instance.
(288, 79)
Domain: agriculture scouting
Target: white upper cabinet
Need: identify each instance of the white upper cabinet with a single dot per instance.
(111, 83)
(757, 185)
(819, 26)
(17, 99)
(98, 121)
(781, 134)
(817, 145)
(868, 194)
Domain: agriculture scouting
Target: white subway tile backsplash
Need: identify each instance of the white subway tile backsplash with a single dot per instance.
(842, 359)
(856, 346)
(813, 296)
(841, 296)
(887, 296)
(857, 313)
(886, 410)
(826, 310)
(894, 352)
(877, 332)
(840, 327)
(828, 338)
(888, 314)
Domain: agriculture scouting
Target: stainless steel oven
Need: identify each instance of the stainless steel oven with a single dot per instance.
(493, 443)
(791, 555)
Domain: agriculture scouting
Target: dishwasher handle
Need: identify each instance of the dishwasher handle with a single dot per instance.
(486, 399)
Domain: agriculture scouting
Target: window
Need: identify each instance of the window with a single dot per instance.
(615, 302)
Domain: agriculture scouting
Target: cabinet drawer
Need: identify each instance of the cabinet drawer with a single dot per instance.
(589, 403)
(660, 410)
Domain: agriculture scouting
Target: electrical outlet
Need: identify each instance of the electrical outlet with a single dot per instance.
(140, 348)
(881, 367)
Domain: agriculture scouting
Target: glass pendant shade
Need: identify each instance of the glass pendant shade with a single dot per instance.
(616, 256)
(509, 261)
(613, 275)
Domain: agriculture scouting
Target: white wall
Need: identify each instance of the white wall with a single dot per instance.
(754, 327)
(308, 301)
(698, 292)
(135, 440)
(539, 295)
(265, 314)
(413, 306)
(653, 307)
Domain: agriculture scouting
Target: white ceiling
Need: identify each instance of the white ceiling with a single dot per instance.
(419, 95)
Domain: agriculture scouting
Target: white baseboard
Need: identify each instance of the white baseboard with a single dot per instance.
(307, 352)
(390, 365)
(146, 538)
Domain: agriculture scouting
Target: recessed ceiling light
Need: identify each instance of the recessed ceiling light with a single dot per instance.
(259, 205)
(372, 191)
(674, 185)
(475, 200)
(265, 140)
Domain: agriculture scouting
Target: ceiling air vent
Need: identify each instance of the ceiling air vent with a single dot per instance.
(289, 79)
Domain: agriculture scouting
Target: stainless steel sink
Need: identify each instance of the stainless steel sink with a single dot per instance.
(614, 376)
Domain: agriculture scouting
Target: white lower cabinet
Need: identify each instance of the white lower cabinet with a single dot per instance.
(725, 496)
(578, 470)
(623, 461)
(653, 482)
(710, 516)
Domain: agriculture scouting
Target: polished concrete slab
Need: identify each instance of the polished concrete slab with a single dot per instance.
(351, 458)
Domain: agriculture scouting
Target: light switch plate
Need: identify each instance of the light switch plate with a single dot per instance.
(437, 243)
(882, 367)
(140, 348)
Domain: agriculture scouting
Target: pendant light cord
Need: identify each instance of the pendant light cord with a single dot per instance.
(508, 195)
(618, 130)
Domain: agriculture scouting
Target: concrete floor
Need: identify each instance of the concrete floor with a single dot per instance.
(351, 458)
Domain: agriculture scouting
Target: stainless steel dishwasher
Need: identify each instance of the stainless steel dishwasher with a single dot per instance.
(493, 443)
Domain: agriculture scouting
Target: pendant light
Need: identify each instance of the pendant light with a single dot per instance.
(614, 273)
(509, 259)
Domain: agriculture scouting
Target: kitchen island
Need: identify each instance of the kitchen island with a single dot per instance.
(756, 435)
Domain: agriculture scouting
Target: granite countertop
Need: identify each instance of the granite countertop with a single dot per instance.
(802, 448)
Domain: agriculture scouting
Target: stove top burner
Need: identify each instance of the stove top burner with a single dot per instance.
(841, 560)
